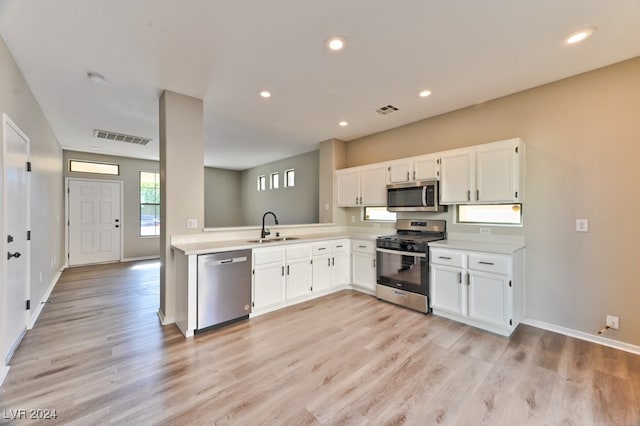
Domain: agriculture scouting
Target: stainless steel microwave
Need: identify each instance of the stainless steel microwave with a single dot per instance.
(417, 196)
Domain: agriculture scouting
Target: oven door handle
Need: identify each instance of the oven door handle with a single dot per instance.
(401, 253)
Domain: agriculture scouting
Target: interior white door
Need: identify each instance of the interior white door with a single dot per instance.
(94, 221)
(15, 290)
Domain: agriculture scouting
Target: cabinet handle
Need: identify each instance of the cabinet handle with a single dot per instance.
(361, 200)
(459, 277)
(283, 271)
(408, 176)
(288, 270)
(322, 248)
(468, 195)
(414, 175)
(374, 263)
(486, 263)
(356, 200)
(444, 257)
(328, 262)
(333, 261)
(477, 195)
(340, 246)
(468, 279)
(362, 246)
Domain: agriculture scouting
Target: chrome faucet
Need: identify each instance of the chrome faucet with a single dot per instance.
(265, 232)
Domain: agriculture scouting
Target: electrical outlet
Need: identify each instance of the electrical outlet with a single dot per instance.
(485, 231)
(613, 322)
(582, 225)
(192, 223)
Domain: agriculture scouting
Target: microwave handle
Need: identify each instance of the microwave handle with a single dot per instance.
(424, 195)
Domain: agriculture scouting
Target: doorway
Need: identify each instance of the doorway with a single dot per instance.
(15, 264)
(94, 227)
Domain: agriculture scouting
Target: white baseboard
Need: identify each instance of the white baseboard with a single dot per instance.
(627, 347)
(135, 259)
(38, 307)
(165, 320)
(4, 370)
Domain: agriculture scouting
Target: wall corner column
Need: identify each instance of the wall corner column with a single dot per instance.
(181, 183)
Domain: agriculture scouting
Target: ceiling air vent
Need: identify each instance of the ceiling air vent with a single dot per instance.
(386, 109)
(120, 137)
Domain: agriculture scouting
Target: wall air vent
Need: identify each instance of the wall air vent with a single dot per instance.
(120, 137)
(388, 109)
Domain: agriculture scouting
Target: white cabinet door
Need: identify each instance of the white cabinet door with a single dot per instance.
(364, 270)
(489, 298)
(298, 278)
(447, 289)
(497, 172)
(321, 273)
(373, 186)
(268, 285)
(457, 176)
(426, 167)
(339, 269)
(348, 188)
(400, 171)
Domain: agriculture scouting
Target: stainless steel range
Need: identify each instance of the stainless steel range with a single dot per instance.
(403, 262)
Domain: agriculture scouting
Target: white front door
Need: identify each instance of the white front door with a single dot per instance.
(15, 257)
(94, 225)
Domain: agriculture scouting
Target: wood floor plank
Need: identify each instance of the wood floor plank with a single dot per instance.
(98, 355)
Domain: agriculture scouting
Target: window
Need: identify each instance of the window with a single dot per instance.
(93, 167)
(275, 180)
(491, 214)
(289, 178)
(378, 214)
(149, 204)
(262, 183)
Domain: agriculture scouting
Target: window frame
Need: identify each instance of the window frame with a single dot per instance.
(142, 204)
(365, 219)
(96, 163)
(274, 183)
(261, 182)
(287, 180)
(486, 223)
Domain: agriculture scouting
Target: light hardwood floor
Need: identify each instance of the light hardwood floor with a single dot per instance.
(98, 355)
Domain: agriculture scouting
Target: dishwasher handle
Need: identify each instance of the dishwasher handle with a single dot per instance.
(226, 261)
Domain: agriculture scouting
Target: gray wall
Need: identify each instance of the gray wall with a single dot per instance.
(47, 206)
(134, 246)
(582, 140)
(297, 205)
(222, 200)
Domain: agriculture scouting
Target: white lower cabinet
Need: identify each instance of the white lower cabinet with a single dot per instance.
(363, 264)
(330, 265)
(268, 277)
(485, 290)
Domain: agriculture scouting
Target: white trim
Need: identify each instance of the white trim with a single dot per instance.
(38, 309)
(4, 370)
(135, 259)
(165, 320)
(66, 216)
(627, 347)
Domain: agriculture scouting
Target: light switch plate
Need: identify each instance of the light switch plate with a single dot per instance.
(582, 225)
(192, 223)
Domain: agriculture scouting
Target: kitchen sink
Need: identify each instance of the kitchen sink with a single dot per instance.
(272, 240)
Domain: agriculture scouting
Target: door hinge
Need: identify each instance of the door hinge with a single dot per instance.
(516, 194)
(28, 235)
(509, 283)
(253, 272)
(253, 304)
(28, 166)
(28, 304)
(510, 322)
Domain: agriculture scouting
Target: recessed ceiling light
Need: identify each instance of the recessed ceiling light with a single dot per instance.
(96, 77)
(579, 36)
(343, 124)
(424, 93)
(264, 94)
(336, 42)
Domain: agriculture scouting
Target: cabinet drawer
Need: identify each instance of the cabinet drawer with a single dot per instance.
(298, 251)
(270, 255)
(320, 249)
(340, 246)
(490, 263)
(447, 257)
(364, 246)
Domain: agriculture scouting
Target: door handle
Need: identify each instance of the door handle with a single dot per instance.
(16, 255)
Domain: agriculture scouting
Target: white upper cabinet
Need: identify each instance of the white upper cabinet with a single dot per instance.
(457, 176)
(483, 174)
(362, 186)
(498, 171)
(414, 168)
(426, 167)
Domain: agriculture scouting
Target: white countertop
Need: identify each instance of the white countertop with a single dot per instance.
(502, 247)
(205, 247)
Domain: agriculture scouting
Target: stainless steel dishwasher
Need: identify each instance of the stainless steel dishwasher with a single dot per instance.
(224, 288)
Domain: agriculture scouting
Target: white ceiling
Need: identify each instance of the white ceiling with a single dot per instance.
(225, 51)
